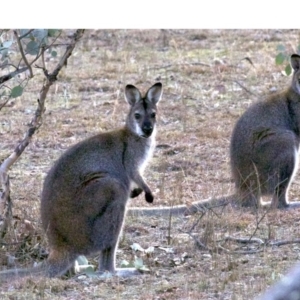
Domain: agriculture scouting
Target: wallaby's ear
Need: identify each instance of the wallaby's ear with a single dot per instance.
(154, 93)
(295, 62)
(132, 94)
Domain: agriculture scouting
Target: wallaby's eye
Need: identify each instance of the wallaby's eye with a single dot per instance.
(153, 115)
(137, 116)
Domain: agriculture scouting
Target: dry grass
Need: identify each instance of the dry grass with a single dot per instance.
(203, 73)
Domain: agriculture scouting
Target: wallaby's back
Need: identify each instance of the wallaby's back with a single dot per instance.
(264, 145)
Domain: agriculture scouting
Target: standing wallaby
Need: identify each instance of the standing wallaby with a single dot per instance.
(85, 193)
(264, 146)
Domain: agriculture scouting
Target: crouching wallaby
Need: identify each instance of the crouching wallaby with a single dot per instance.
(264, 146)
(85, 193)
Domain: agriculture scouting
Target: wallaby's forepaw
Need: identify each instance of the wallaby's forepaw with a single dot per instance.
(149, 197)
(135, 192)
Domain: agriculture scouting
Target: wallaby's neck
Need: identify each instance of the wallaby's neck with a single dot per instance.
(142, 148)
(134, 137)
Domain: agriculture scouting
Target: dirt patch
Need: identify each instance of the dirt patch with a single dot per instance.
(208, 83)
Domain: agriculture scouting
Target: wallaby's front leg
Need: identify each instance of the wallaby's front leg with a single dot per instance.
(142, 186)
(107, 260)
(136, 192)
(107, 265)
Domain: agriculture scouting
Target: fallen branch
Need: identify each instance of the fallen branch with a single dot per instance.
(245, 240)
(281, 243)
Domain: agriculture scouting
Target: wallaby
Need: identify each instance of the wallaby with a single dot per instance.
(263, 153)
(85, 193)
(264, 146)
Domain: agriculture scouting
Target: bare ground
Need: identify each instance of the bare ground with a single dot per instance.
(210, 77)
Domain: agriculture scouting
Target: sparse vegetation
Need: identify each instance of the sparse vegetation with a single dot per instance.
(210, 77)
(283, 57)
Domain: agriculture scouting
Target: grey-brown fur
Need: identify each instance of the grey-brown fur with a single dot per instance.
(85, 193)
(264, 146)
(287, 288)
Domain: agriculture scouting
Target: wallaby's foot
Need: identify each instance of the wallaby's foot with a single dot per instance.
(149, 197)
(135, 192)
(291, 205)
(119, 272)
(280, 205)
(247, 199)
(127, 272)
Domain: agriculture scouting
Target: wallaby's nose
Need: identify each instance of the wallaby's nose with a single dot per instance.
(147, 129)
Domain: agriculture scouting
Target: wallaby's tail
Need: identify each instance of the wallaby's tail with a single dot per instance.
(15, 273)
(182, 209)
(57, 264)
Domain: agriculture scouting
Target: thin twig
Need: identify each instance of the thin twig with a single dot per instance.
(281, 243)
(5, 203)
(259, 221)
(240, 251)
(25, 34)
(22, 53)
(4, 103)
(245, 240)
(8, 64)
(35, 123)
(243, 87)
(9, 76)
(198, 243)
(180, 64)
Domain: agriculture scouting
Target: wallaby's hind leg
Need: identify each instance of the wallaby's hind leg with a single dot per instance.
(248, 188)
(107, 222)
(107, 264)
(249, 197)
(287, 169)
(58, 262)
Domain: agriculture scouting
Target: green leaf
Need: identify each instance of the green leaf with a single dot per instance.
(89, 270)
(16, 91)
(7, 44)
(126, 264)
(81, 260)
(4, 64)
(24, 31)
(138, 263)
(280, 48)
(137, 247)
(33, 48)
(288, 70)
(4, 53)
(52, 32)
(280, 57)
(53, 53)
(40, 34)
(149, 249)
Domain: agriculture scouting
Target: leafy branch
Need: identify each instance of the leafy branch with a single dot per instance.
(283, 57)
(36, 122)
(33, 42)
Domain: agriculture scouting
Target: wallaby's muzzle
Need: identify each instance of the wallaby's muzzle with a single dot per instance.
(147, 129)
